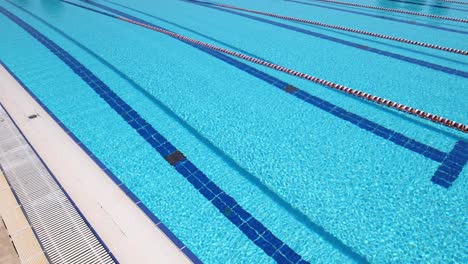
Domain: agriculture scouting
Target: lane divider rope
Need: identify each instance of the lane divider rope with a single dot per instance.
(457, 2)
(396, 10)
(229, 207)
(381, 16)
(377, 35)
(369, 97)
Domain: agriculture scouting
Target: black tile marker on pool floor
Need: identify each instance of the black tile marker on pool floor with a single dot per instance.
(327, 236)
(279, 84)
(246, 223)
(363, 123)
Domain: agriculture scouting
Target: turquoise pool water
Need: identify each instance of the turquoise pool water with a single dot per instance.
(329, 189)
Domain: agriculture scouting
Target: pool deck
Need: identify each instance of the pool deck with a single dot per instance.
(128, 233)
(7, 252)
(18, 244)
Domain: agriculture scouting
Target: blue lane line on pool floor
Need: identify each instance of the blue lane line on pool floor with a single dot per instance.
(319, 230)
(381, 17)
(352, 118)
(246, 223)
(452, 165)
(348, 34)
(422, 63)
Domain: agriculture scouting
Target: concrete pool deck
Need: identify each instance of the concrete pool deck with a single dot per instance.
(7, 252)
(128, 233)
(18, 244)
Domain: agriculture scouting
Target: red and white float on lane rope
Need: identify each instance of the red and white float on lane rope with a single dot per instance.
(400, 107)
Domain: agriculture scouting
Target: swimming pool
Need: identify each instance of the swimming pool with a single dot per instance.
(303, 173)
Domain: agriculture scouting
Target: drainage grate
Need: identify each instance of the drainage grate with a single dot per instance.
(63, 233)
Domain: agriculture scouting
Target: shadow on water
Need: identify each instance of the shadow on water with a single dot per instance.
(438, 11)
(52, 6)
(297, 214)
(23, 2)
(414, 6)
(406, 5)
(375, 40)
(421, 19)
(442, 5)
(390, 111)
(415, 61)
(185, 28)
(397, 5)
(382, 14)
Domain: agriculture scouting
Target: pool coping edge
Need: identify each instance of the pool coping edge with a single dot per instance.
(181, 247)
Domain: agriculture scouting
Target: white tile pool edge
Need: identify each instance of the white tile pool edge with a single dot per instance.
(129, 234)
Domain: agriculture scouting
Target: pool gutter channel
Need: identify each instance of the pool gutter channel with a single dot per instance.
(155, 222)
(173, 158)
(242, 219)
(39, 194)
(24, 239)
